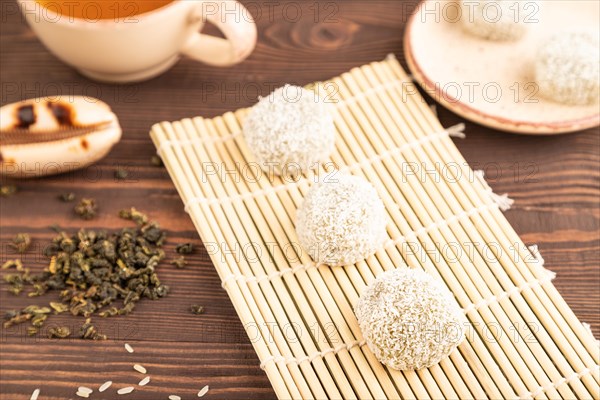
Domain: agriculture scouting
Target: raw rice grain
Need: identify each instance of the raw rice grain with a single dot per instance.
(105, 386)
(35, 394)
(203, 391)
(125, 390)
(139, 368)
(85, 389)
(144, 381)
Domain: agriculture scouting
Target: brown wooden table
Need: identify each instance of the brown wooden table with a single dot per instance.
(554, 181)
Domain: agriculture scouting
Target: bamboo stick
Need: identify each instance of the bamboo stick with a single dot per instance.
(396, 195)
(199, 156)
(434, 369)
(373, 118)
(417, 155)
(291, 210)
(553, 320)
(372, 382)
(446, 151)
(414, 262)
(440, 205)
(244, 304)
(526, 308)
(360, 386)
(306, 313)
(394, 254)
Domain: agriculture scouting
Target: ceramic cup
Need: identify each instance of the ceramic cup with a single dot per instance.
(144, 45)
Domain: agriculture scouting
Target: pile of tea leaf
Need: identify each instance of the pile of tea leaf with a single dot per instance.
(94, 272)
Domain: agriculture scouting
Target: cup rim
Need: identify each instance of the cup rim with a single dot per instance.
(100, 23)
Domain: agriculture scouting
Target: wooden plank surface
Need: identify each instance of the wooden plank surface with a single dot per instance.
(554, 181)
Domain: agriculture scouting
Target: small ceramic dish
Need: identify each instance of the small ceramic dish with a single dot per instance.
(492, 82)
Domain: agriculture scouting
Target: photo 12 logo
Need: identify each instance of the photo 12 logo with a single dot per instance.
(489, 11)
(471, 92)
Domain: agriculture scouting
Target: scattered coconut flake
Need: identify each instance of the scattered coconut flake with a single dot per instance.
(174, 397)
(85, 395)
(144, 381)
(128, 348)
(125, 390)
(139, 368)
(35, 394)
(203, 391)
(105, 386)
(84, 389)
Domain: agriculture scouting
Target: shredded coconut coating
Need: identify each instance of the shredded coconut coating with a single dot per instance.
(341, 221)
(409, 319)
(500, 20)
(291, 130)
(567, 67)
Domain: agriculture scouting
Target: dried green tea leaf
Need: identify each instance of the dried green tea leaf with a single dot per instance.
(55, 227)
(21, 242)
(19, 318)
(121, 174)
(38, 320)
(15, 289)
(60, 332)
(156, 161)
(197, 309)
(134, 215)
(8, 190)
(179, 262)
(86, 209)
(39, 289)
(13, 264)
(91, 270)
(59, 307)
(89, 331)
(184, 248)
(67, 197)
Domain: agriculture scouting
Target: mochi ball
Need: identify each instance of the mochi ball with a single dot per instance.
(341, 221)
(290, 130)
(409, 319)
(500, 20)
(567, 67)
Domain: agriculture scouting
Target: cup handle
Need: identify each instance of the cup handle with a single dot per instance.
(238, 28)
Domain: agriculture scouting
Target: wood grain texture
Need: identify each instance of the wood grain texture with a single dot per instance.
(555, 182)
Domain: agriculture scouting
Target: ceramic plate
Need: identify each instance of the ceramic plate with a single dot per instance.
(490, 82)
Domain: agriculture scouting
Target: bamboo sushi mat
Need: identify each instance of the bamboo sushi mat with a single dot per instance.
(522, 339)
